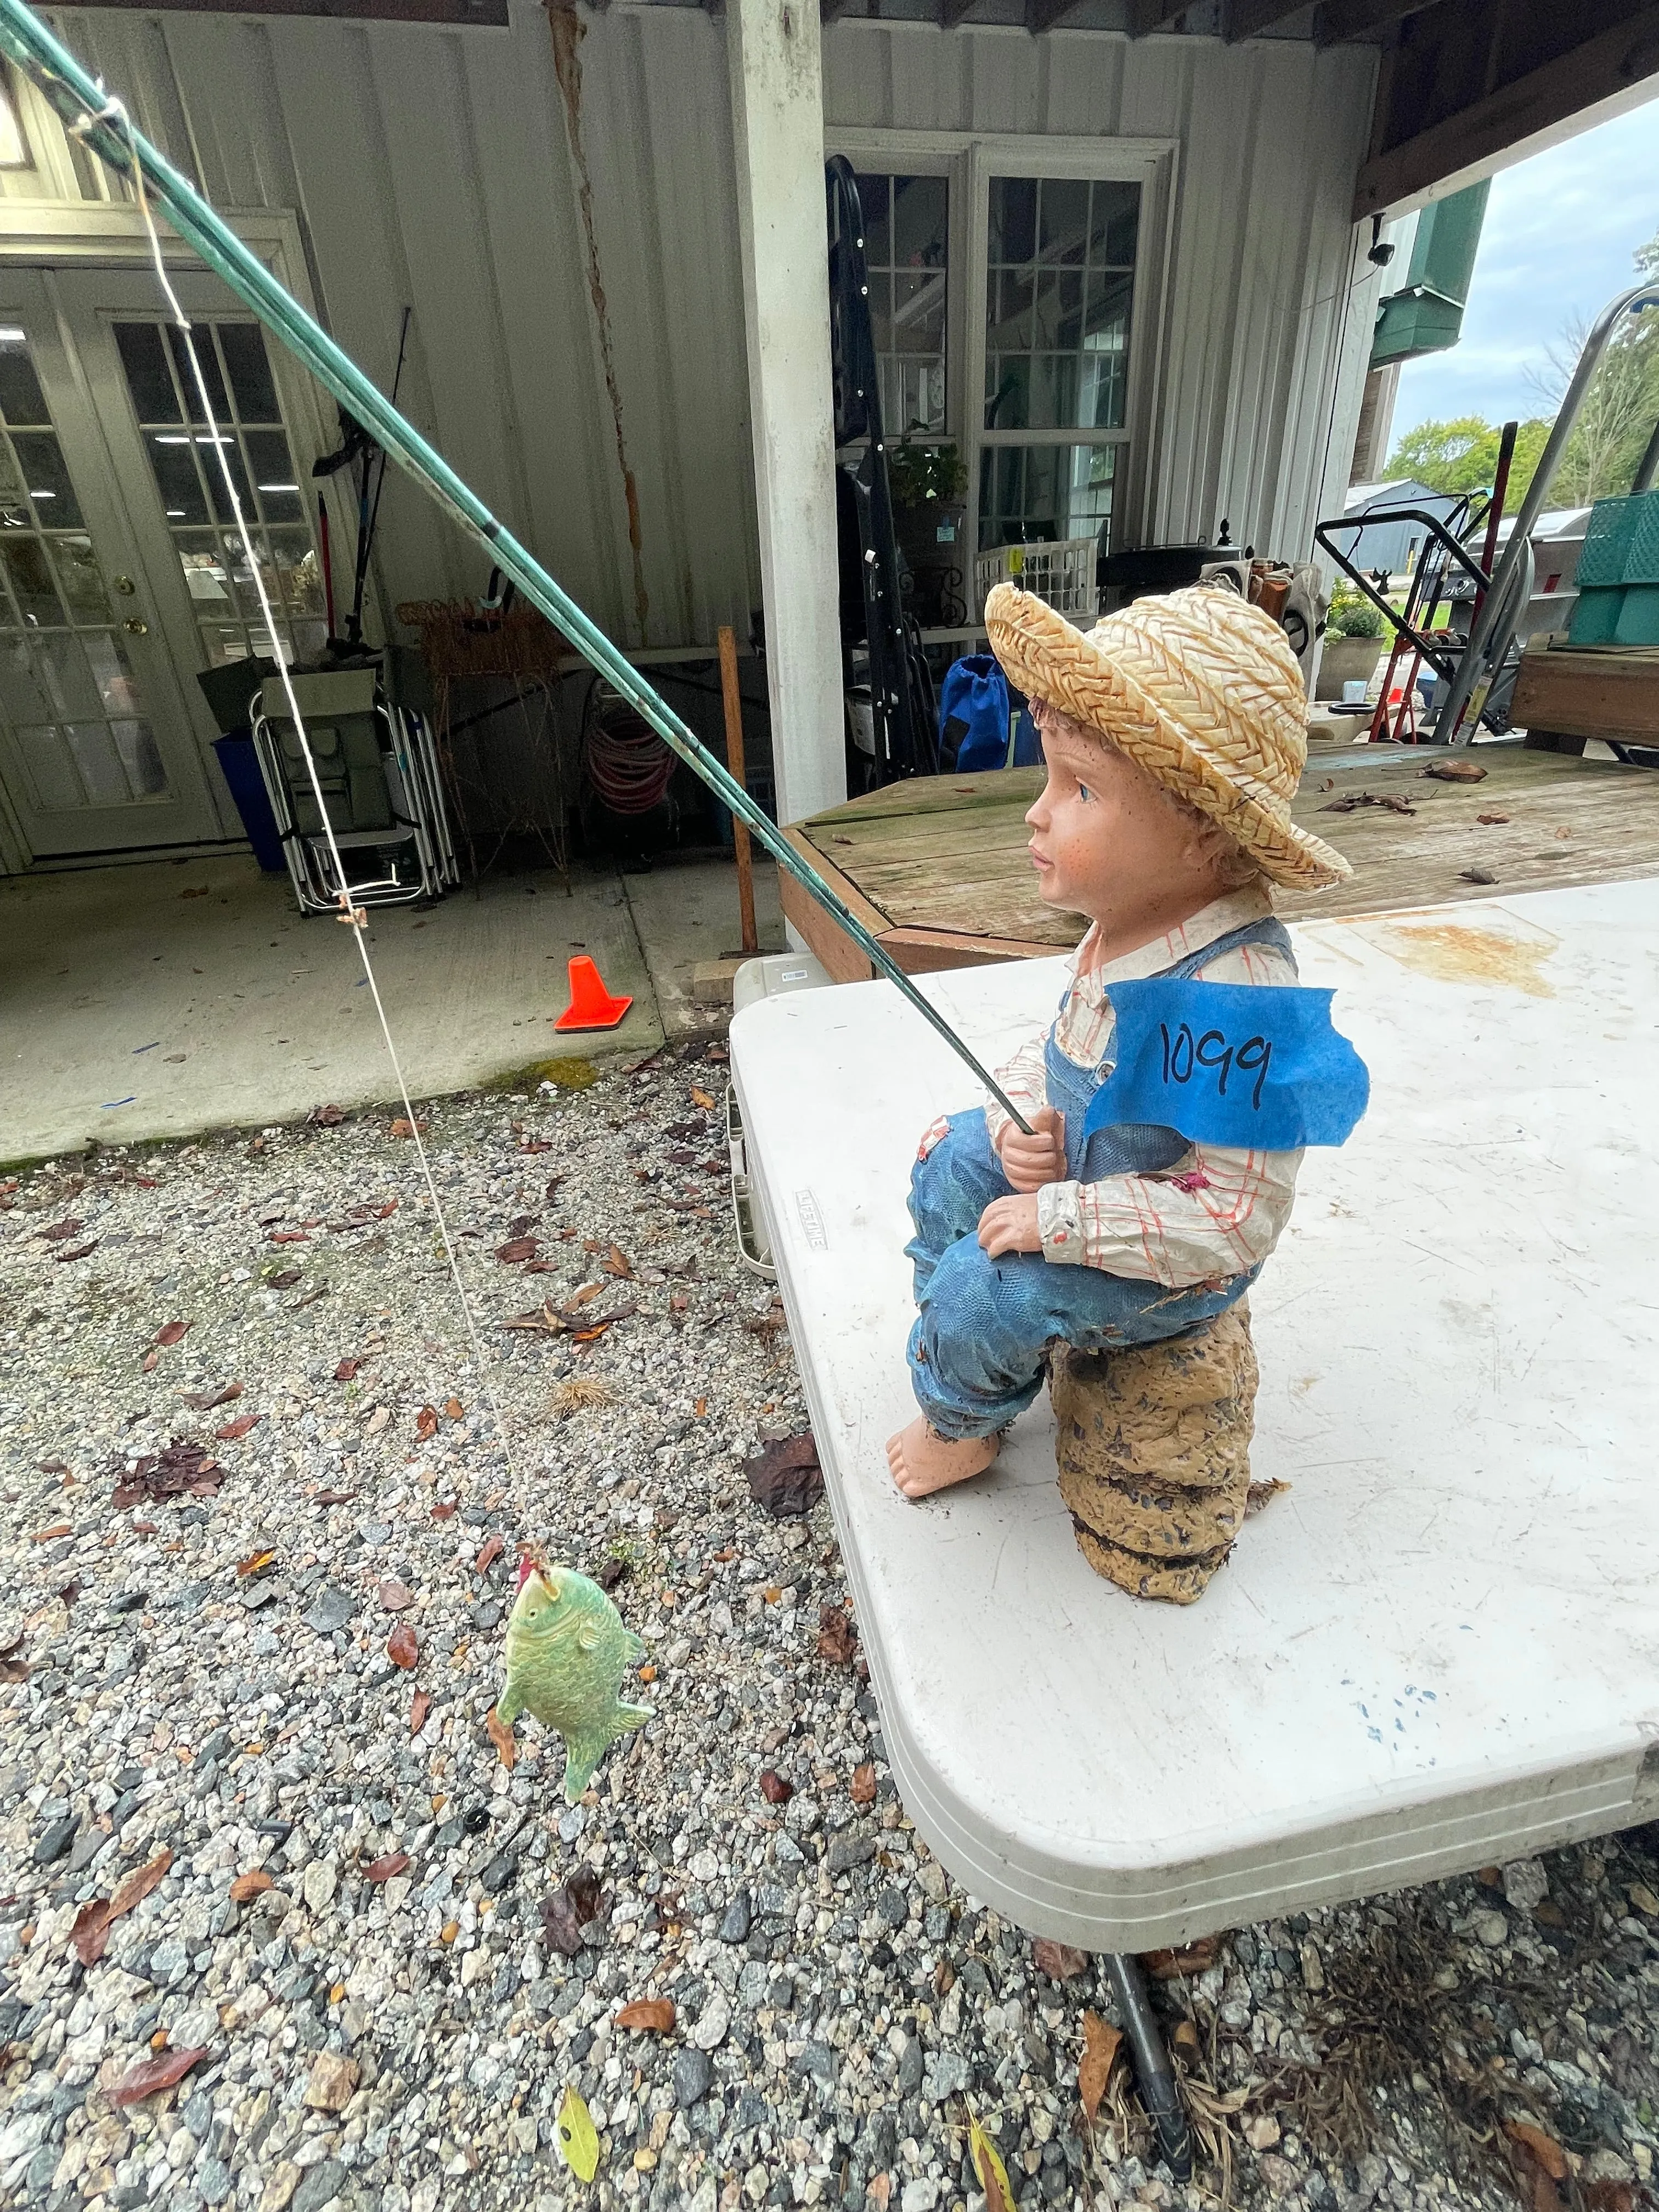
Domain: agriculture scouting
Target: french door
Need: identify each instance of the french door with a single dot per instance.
(121, 575)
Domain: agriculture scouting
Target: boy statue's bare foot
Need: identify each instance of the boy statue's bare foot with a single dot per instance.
(923, 1461)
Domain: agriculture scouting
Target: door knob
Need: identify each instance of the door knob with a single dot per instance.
(138, 629)
(125, 586)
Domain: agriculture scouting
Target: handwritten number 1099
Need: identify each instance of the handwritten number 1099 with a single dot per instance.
(1182, 1057)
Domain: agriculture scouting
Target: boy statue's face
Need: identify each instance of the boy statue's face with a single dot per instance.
(1107, 843)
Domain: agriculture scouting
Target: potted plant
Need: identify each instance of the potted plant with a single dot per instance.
(1354, 642)
(928, 481)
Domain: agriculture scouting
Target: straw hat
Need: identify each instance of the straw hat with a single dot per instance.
(1198, 687)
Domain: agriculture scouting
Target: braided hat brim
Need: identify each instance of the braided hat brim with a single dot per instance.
(1048, 658)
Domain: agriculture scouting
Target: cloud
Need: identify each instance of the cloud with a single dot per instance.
(1557, 245)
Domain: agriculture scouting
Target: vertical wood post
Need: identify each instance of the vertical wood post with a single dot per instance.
(777, 129)
(732, 700)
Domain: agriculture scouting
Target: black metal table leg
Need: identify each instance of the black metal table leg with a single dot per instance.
(1159, 2091)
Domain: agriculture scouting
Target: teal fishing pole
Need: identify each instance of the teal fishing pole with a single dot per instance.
(102, 124)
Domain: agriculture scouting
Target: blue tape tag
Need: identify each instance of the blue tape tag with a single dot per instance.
(1253, 1066)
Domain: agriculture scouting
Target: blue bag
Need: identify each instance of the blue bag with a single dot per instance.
(973, 716)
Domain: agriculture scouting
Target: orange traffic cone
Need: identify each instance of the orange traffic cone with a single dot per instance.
(591, 1006)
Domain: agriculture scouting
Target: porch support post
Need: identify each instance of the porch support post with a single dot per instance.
(777, 129)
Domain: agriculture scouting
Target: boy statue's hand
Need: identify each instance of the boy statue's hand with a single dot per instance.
(1010, 1224)
(1030, 1162)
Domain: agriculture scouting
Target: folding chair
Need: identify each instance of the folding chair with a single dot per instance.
(380, 786)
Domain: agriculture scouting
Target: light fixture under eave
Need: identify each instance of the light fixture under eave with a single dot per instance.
(14, 146)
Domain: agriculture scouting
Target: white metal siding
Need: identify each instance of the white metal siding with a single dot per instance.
(432, 166)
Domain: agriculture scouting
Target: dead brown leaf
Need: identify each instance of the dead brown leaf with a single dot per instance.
(133, 1888)
(702, 1098)
(396, 1596)
(862, 1788)
(383, 1868)
(655, 2015)
(240, 1427)
(1191, 1958)
(617, 1264)
(204, 1401)
(420, 1706)
(1455, 771)
(60, 1231)
(445, 1512)
(426, 1424)
(334, 1498)
(255, 1563)
(1261, 1494)
(1490, 820)
(50, 1535)
(1101, 2042)
(150, 2074)
(403, 1646)
(250, 1885)
(492, 1551)
(1545, 2148)
(91, 1931)
(347, 1371)
(774, 1788)
(401, 1127)
(501, 1736)
(453, 1410)
(837, 1637)
(172, 1332)
(1061, 1962)
(517, 1248)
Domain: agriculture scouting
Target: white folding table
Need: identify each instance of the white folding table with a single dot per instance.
(1440, 1647)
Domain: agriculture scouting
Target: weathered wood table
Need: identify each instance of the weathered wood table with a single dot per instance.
(937, 868)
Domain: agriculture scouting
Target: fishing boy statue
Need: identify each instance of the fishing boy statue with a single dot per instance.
(1168, 1102)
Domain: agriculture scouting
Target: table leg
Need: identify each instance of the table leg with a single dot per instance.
(1159, 2091)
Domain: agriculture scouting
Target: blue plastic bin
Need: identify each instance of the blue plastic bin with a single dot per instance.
(241, 769)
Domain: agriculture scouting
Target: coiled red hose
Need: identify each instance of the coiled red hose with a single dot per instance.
(624, 760)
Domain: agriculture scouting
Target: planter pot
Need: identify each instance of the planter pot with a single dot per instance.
(1343, 660)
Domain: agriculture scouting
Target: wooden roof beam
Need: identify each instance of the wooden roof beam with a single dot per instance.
(1149, 15)
(1337, 21)
(1247, 19)
(1464, 146)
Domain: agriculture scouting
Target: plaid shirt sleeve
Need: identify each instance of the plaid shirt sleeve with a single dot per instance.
(1025, 1082)
(1214, 1214)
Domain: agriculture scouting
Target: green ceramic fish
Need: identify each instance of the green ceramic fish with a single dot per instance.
(566, 1648)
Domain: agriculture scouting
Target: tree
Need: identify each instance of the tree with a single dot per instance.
(1620, 407)
(1462, 455)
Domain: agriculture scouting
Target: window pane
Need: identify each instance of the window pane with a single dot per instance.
(51, 770)
(32, 582)
(204, 571)
(1116, 222)
(299, 575)
(22, 699)
(1059, 304)
(919, 222)
(1063, 222)
(1013, 218)
(46, 479)
(209, 361)
(65, 676)
(117, 687)
(1030, 494)
(281, 499)
(146, 777)
(21, 397)
(874, 194)
(145, 363)
(218, 497)
(906, 244)
(172, 457)
(99, 765)
(80, 579)
(14, 510)
(244, 348)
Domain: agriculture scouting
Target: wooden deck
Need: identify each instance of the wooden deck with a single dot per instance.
(937, 868)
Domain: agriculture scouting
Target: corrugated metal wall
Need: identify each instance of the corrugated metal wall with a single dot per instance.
(433, 166)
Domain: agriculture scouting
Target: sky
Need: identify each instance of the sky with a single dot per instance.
(1559, 233)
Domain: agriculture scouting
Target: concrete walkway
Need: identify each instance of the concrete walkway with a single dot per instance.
(164, 998)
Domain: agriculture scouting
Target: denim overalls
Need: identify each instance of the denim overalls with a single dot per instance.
(976, 1350)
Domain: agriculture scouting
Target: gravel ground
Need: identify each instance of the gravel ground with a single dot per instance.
(400, 2036)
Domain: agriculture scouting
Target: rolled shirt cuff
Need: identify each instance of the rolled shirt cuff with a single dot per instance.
(1059, 1223)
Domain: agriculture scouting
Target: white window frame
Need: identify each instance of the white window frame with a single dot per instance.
(969, 160)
